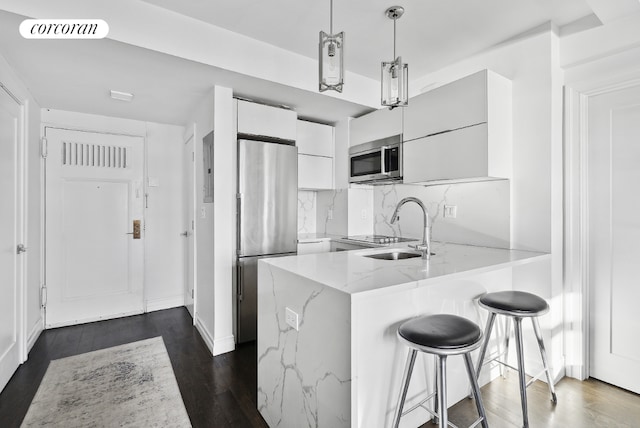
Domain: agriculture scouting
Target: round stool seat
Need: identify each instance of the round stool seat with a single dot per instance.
(518, 303)
(441, 331)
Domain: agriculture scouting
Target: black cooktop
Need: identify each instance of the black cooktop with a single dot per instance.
(378, 239)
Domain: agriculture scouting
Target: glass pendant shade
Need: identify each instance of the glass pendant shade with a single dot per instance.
(331, 61)
(395, 83)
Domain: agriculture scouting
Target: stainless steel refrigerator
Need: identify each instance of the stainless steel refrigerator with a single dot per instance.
(267, 219)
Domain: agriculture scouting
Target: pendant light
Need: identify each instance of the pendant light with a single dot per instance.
(395, 74)
(331, 58)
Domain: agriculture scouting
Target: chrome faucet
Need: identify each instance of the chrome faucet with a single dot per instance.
(425, 247)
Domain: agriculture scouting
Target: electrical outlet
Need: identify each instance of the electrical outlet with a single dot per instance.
(203, 212)
(363, 214)
(291, 318)
(450, 211)
(330, 214)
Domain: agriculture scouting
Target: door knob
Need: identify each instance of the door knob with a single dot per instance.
(21, 249)
(136, 229)
(185, 233)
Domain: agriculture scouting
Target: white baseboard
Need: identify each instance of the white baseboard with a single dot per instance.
(204, 333)
(34, 334)
(93, 319)
(224, 345)
(165, 303)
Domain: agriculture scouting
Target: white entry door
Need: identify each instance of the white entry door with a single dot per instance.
(189, 227)
(10, 235)
(94, 226)
(614, 235)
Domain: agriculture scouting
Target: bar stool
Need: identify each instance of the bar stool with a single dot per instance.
(441, 335)
(516, 305)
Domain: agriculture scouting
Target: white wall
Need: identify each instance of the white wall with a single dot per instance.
(164, 272)
(224, 146)
(33, 321)
(164, 217)
(532, 64)
(215, 227)
(204, 273)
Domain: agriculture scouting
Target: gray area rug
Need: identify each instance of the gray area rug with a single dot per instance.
(131, 385)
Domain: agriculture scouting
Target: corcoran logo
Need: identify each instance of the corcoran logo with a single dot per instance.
(64, 29)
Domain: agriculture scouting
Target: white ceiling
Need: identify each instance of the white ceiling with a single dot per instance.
(430, 35)
(77, 75)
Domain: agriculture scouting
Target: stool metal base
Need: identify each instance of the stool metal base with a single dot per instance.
(441, 412)
(520, 358)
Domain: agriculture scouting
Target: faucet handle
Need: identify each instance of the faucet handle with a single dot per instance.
(426, 252)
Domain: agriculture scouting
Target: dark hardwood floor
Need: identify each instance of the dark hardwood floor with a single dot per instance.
(221, 391)
(217, 392)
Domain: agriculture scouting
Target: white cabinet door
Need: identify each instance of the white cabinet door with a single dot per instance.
(452, 106)
(375, 125)
(313, 247)
(461, 154)
(314, 139)
(315, 172)
(259, 119)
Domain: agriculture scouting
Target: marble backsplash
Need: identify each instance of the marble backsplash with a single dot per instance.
(482, 218)
(332, 212)
(307, 211)
(483, 212)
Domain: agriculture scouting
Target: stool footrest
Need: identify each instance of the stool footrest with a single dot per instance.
(435, 414)
(536, 377)
(420, 404)
(533, 379)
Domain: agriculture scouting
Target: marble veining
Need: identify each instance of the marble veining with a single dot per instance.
(306, 211)
(332, 212)
(294, 388)
(352, 273)
(326, 374)
(483, 212)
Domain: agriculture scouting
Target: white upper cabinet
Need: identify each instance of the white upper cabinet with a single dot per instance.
(315, 143)
(460, 131)
(375, 125)
(458, 155)
(452, 106)
(315, 172)
(268, 121)
(314, 138)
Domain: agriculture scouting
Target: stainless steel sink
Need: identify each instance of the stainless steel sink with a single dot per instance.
(393, 255)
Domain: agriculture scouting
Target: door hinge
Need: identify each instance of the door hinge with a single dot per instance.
(193, 156)
(44, 147)
(43, 296)
(192, 294)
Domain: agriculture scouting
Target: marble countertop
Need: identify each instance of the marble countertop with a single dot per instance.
(315, 237)
(351, 273)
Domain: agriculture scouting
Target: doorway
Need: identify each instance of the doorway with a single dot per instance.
(94, 206)
(189, 227)
(614, 236)
(11, 234)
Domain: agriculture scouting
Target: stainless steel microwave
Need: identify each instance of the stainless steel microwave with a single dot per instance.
(378, 161)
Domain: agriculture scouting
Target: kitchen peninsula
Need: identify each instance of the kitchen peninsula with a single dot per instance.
(327, 349)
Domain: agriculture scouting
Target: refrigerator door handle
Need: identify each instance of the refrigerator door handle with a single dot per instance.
(240, 215)
(240, 283)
